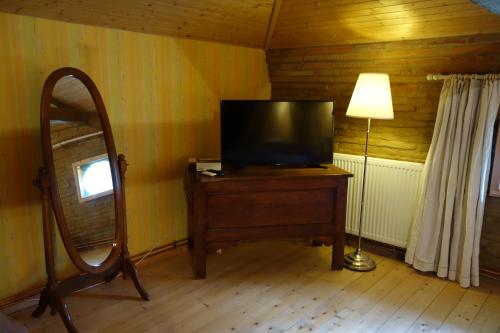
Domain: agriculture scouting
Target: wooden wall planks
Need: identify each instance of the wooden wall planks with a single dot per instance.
(162, 96)
(331, 71)
(489, 255)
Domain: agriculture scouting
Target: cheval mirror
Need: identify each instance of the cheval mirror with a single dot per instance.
(83, 182)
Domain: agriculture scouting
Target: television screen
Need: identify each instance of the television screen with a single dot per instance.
(261, 132)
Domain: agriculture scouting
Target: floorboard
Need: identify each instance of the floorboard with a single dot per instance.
(278, 286)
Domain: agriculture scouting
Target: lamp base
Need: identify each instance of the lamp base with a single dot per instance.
(359, 261)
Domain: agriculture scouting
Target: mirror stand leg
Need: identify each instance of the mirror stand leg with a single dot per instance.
(130, 270)
(128, 267)
(112, 276)
(52, 299)
(43, 303)
(57, 304)
(50, 296)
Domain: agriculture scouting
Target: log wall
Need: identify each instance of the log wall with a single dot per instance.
(331, 73)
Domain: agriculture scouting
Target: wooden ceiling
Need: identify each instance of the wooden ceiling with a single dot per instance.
(71, 94)
(274, 23)
(240, 22)
(330, 22)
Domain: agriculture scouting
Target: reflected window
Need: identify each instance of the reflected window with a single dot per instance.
(93, 177)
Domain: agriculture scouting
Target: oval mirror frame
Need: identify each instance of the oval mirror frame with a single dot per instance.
(47, 92)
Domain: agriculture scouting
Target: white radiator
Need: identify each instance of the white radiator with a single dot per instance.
(390, 198)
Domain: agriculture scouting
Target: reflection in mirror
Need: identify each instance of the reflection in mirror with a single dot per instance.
(82, 170)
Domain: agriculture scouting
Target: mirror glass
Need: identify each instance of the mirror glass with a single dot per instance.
(82, 170)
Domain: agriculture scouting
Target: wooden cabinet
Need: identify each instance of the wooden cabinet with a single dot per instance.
(265, 202)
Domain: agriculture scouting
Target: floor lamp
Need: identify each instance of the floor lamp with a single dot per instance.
(371, 99)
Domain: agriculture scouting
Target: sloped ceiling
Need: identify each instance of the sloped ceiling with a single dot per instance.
(240, 22)
(274, 23)
(329, 22)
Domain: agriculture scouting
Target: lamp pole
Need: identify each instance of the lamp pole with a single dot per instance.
(357, 260)
(363, 187)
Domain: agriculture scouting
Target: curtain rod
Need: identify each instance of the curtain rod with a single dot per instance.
(438, 76)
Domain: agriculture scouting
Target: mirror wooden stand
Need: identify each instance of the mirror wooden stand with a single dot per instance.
(82, 185)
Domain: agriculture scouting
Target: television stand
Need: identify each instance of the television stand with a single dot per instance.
(263, 202)
(304, 166)
(318, 166)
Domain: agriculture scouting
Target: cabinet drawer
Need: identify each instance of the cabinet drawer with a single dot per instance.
(270, 208)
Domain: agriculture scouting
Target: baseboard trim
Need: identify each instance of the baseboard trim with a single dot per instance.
(489, 273)
(376, 247)
(27, 298)
(398, 253)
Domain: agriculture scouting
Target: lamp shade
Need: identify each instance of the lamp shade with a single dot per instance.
(371, 97)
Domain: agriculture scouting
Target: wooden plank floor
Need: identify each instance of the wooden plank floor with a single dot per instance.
(278, 286)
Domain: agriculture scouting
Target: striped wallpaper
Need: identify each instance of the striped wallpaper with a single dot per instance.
(162, 98)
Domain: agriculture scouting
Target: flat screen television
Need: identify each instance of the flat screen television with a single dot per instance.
(263, 132)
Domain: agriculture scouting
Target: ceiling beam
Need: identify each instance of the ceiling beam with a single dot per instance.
(272, 23)
(64, 112)
(71, 115)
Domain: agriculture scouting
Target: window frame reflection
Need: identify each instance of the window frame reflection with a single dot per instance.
(79, 169)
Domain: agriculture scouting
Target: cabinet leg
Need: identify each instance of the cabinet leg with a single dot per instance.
(200, 260)
(338, 251)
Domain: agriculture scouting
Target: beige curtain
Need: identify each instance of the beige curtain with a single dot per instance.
(446, 229)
